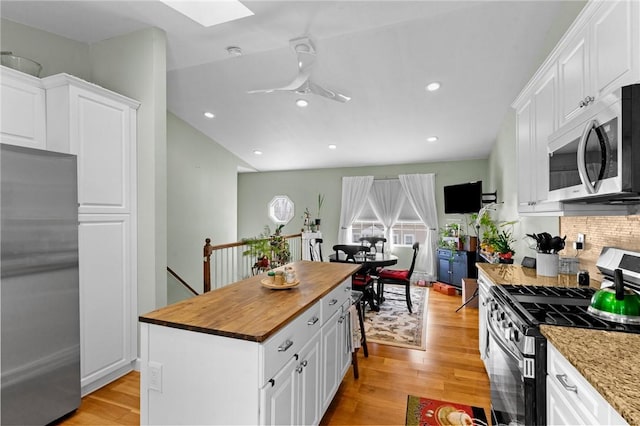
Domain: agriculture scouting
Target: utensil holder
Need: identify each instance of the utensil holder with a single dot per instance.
(547, 264)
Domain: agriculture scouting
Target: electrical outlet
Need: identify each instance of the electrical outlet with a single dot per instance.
(580, 238)
(155, 376)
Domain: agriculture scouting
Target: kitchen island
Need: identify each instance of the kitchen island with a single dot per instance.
(246, 354)
(606, 359)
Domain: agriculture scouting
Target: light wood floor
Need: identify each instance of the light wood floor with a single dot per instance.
(450, 369)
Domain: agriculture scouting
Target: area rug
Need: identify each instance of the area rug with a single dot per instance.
(393, 324)
(427, 412)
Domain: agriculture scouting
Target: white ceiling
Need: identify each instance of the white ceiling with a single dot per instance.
(380, 53)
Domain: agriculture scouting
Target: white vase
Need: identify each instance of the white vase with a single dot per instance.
(547, 264)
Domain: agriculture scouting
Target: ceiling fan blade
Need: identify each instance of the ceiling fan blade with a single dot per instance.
(297, 83)
(319, 90)
(306, 56)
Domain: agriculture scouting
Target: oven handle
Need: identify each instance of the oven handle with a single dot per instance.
(582, 165)
(499, 341)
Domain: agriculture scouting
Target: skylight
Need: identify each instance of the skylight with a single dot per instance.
(209, 13)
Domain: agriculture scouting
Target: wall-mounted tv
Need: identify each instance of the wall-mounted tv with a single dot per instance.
(463, 198)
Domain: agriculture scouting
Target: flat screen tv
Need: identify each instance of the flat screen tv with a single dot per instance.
(463, 198)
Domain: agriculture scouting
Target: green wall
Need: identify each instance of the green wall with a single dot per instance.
(202, 194)
(255, 190)
(56, 54)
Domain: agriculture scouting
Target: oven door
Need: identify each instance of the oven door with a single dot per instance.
(513, 396)
(584, 157)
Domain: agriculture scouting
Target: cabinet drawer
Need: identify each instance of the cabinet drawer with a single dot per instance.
(332, 302)
(281, 347)
(575, 388)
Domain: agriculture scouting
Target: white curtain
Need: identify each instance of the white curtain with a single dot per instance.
(354, 194)
(420, 191)
(387, 198)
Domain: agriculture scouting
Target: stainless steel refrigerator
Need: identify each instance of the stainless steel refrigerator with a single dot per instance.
(39, 294)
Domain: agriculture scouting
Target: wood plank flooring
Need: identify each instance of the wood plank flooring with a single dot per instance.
(450, 369)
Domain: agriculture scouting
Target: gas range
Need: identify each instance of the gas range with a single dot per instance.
(563, 306)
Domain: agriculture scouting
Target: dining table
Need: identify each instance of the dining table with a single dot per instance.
(370, 262)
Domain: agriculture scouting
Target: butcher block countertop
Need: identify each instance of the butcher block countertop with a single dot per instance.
(608, 360)
(246, 310)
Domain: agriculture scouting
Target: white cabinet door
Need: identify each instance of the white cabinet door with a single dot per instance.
(107, 298)
(309, 377)
(99, 127)
(573, 75)
(614, 46)
(22, 110)
(279, 397)
(559, 409)
(483, 287)
(331, 355)
(524, 135)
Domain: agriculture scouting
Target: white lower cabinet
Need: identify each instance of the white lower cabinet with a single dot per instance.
(571, 400)
(191, 377)
(108, 343)
(483, 333)
(293, 395)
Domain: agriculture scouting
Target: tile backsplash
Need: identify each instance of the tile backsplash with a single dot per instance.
(600, 231)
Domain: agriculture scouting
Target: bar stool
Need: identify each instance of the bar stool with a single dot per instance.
(358, 301)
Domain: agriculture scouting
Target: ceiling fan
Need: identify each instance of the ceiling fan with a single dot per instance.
(302, 84)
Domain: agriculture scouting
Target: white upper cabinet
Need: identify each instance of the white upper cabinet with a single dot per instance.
(599, 55)
(615, 51)
(98, 126)
(573, 68)
(22, 113)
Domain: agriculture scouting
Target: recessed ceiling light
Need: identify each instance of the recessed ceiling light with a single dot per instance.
(332, 146)
(257, 152)
(302, 103)
(209, 114)
(432, 138)
(433, 86)
(208, 13)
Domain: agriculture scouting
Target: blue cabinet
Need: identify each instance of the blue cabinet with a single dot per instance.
(454, 265)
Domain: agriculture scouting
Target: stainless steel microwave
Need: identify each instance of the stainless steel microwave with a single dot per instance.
(596, 156)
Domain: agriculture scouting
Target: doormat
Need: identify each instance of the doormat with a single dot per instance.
(393, 325)
(427, 412)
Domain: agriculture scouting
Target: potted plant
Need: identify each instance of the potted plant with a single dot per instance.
(270, 250)
(502, 245)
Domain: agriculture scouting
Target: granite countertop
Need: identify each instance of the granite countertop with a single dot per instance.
(608, 360)
(500, 273)
(246, 310)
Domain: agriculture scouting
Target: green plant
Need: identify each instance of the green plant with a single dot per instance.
(486, 228)
(269, 250)
(320, 203)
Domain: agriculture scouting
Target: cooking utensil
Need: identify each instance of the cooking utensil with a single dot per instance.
(617, 303)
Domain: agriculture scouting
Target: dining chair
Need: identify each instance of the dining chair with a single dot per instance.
(361, 280)
(398, 276)
(315, 250)
(372, 242)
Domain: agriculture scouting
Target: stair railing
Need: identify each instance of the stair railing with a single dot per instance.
(225, 264)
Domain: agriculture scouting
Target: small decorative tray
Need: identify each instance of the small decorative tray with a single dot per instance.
(266, 282)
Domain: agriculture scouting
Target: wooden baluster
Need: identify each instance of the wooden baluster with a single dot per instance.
(208, 249)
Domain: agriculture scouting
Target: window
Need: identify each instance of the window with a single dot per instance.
(406, 231)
